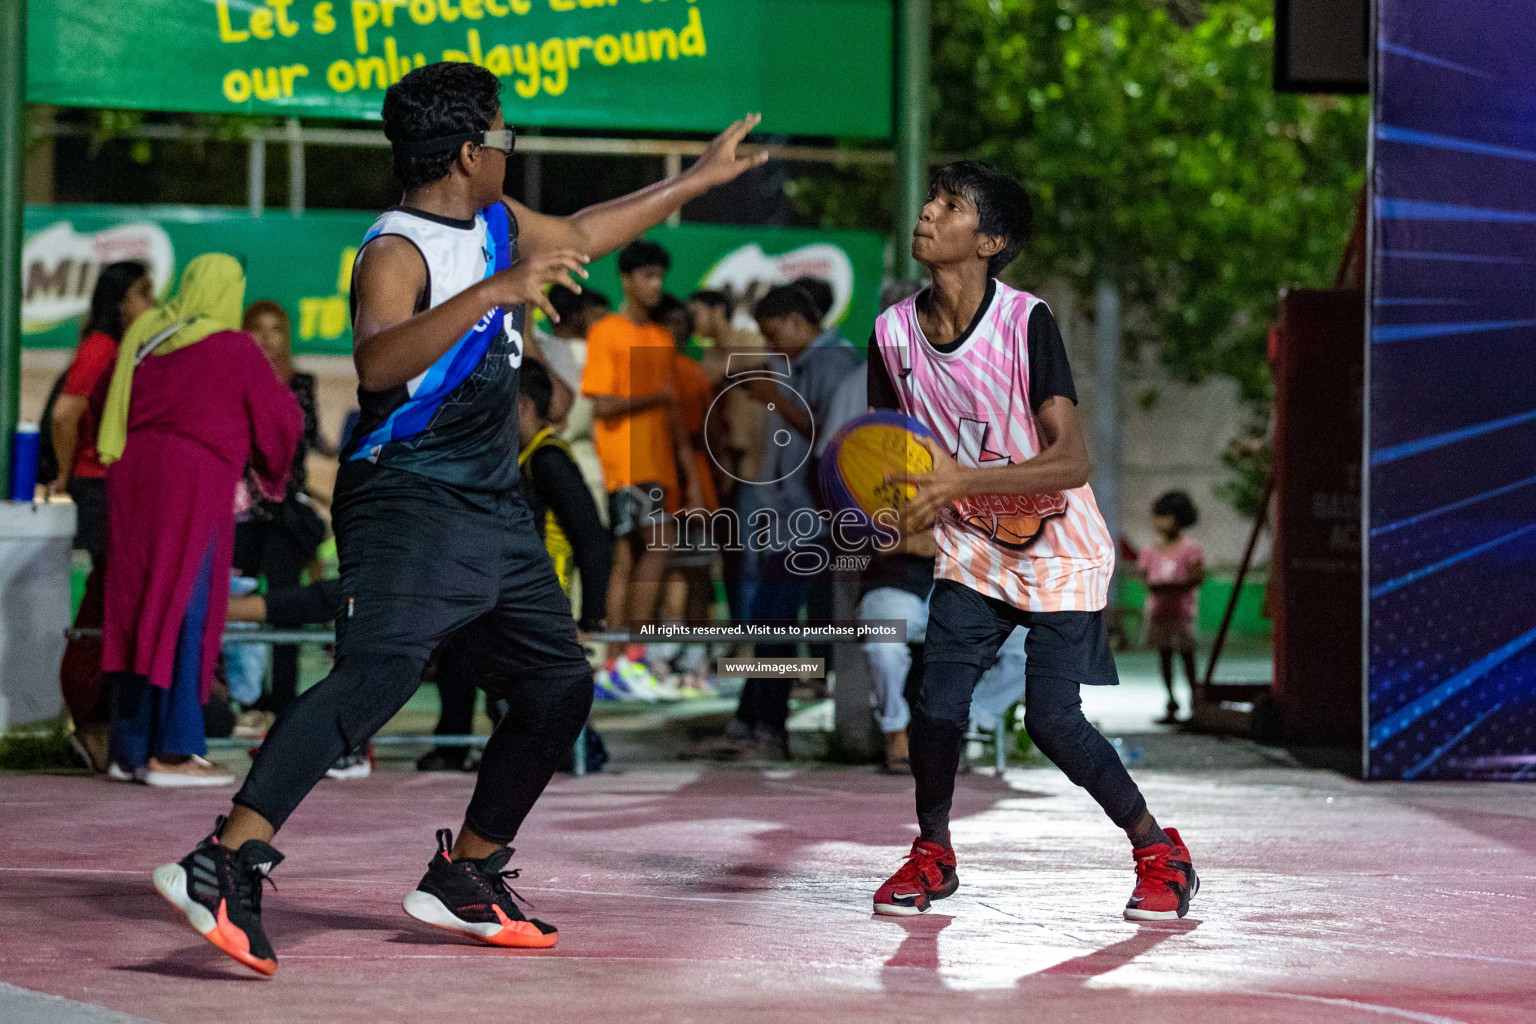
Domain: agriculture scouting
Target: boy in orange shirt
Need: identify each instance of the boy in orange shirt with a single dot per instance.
(689, 591)
(642, 444)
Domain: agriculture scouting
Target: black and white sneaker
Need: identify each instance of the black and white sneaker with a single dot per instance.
(358, 765)
(472, 897)
(219, 891)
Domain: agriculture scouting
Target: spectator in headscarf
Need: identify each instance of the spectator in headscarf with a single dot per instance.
(192, 401)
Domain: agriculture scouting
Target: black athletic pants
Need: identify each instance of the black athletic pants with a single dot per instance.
(1065, 650)
(422, 561)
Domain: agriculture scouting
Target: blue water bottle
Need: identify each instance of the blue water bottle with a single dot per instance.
(26, 443)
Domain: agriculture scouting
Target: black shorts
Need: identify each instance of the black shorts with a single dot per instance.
(636, 507)
(421, 560)
(967, 628)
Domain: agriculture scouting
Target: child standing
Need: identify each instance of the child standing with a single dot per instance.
(1174, 568)
(1020, 538)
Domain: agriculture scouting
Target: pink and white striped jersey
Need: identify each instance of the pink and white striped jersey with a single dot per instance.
(1037, 552)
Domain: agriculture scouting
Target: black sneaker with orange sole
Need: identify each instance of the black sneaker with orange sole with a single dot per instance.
(472, 897)
(219, 892)
(928, 875)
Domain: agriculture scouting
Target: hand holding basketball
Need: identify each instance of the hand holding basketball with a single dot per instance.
(936, 488)
(868, 468)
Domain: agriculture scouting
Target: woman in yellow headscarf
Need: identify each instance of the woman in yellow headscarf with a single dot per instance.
(192, 400)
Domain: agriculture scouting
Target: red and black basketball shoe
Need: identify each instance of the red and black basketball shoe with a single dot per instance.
(219, 891)
(1165, 881)
(472, 897)
(928, 875)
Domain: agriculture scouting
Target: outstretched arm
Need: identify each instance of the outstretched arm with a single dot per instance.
(598, 230)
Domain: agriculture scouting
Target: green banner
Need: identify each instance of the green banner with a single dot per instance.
(305, 263)
(811, 67)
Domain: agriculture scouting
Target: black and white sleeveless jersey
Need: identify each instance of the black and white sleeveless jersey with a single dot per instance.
(457, 421)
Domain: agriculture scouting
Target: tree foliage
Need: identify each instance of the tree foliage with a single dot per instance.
(1157, 154)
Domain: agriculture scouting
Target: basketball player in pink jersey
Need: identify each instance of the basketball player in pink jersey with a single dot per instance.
(1021, 541)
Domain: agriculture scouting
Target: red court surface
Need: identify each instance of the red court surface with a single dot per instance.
(726, 896)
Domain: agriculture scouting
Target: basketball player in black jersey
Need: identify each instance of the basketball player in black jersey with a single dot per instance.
(434, 539)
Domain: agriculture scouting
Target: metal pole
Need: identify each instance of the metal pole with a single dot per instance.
(256, 173)
(1237, 584)
(295, 168)
(13, 98)
(1106, 407)
(914, 36)
(533, 174)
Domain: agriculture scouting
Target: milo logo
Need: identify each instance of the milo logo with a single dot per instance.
(59, 267)
(747, 273)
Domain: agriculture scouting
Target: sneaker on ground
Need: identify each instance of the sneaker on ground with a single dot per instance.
(357, 765)
(696, 686)
(219, 891)
(669, 686)
(117, 773)
(194, 771)
(606, 686)
(472, 897)
(1165, 881)
(253, 725)
(636, 680)
(928, 875)
(90, 744)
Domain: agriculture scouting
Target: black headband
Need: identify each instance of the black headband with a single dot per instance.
(427, 147)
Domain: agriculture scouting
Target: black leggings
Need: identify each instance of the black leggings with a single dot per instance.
(1053, 717)
(965, 629)
(364, 691)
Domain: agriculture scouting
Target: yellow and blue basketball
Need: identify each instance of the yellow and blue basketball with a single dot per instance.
(861, 456)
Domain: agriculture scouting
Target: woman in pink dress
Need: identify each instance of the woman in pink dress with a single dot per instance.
(190, 402)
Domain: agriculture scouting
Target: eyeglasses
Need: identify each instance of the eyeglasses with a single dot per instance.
(504, 139)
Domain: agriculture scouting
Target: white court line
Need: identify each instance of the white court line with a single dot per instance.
(1355, 1004)
(78, 871)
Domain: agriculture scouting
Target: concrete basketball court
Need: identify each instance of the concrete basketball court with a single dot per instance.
(720, 895)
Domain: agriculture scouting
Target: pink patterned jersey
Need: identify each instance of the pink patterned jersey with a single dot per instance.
(1037, 552)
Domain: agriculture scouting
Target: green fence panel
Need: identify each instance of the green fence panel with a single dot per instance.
(305, 263)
